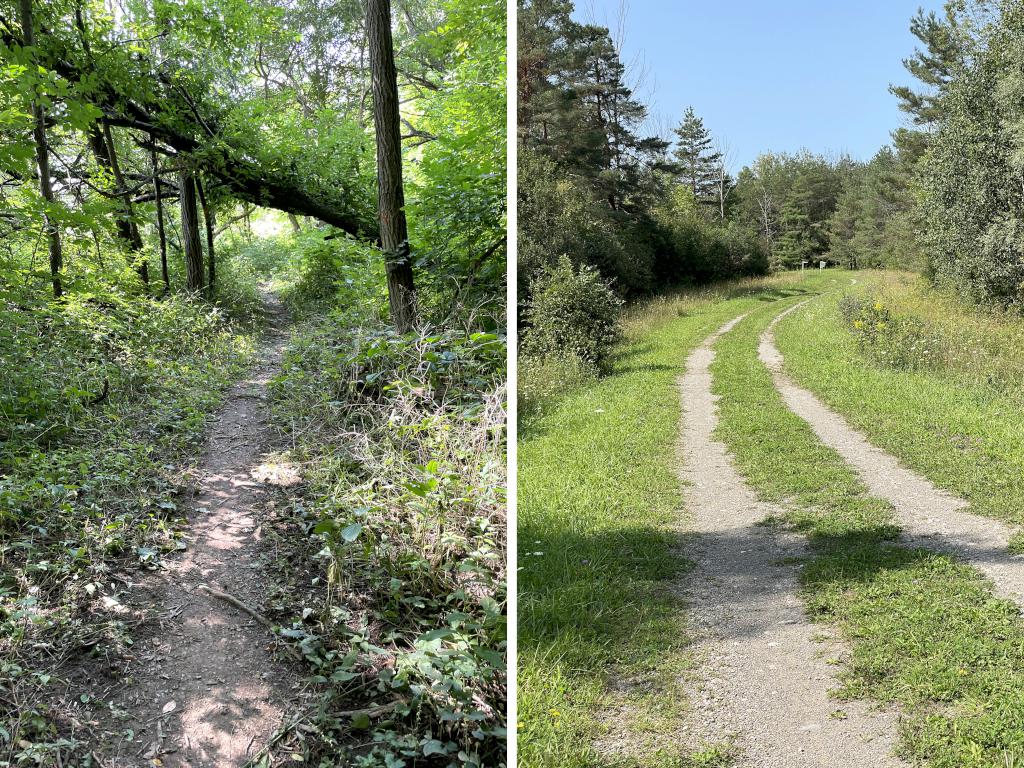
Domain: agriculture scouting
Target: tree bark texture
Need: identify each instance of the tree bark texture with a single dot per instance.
(161, 234)
(394, 235)
(190, 242)
(210, 234)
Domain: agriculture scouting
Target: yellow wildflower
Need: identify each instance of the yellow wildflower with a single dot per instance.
(880, 326)
(878, 306)
(858, 323)
(555, 712)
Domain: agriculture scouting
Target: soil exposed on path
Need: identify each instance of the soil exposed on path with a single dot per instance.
(928, 516)
(206, 688)
(764, 678)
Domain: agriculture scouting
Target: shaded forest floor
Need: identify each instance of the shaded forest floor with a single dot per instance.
(203, 684)
(232, 543)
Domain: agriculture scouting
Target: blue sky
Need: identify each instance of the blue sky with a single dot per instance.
(776, 75)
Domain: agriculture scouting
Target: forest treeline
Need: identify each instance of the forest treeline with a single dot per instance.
(604, 201)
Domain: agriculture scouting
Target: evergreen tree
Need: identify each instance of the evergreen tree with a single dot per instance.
(698, 164)
(945, 42)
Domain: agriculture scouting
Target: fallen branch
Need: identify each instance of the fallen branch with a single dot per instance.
(232, 600)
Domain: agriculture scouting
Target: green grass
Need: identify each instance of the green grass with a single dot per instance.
(955, 416)
(602, 637)
(925, 631)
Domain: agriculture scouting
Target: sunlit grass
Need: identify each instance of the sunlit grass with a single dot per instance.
(958, 420)
(602, 633)
(925, 632)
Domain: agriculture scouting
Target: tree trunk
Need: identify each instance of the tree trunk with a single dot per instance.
(140, 263)
(394, 235)
(294, 220)
(102, 143)
(160, 221)
(208, 220)
(190, 234)
(43, 162)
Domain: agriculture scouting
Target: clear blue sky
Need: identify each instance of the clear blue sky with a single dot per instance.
(776, 75)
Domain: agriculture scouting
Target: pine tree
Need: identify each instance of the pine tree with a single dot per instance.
(933, 65)
(698, 164)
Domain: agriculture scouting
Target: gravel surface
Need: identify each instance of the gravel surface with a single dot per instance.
(930, 517)
(764, 680)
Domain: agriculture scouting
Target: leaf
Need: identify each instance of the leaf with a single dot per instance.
(360, 721)
(350, 532)
(170, 706)
(434, 747)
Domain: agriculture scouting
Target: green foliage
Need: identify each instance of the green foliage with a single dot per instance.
(694, 248)
(572, 313)
(697, 163)
(90, 483)
(403, 440)
(458, 185)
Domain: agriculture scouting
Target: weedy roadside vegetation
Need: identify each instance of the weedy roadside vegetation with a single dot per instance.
(102, 401)
(392, 569)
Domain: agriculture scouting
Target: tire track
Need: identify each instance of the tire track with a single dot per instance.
(764, 681)
(930, 517)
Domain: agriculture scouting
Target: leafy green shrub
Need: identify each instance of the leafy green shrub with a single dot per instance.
(402, 438)
(571, 313)
(693, 248)
(559, 214)
(328, 271)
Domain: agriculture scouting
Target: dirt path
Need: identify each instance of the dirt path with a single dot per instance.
(929, 517)
(765, 680)
(207, 690)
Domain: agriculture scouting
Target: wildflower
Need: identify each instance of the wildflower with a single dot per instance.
(520, 726)
(880, 326)
(878, 306)
(858, 324)
(554, 712)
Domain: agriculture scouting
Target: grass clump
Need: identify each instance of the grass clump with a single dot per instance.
(394, 585)
(926, 632)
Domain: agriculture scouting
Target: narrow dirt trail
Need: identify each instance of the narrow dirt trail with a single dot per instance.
(930, 517)
(207, 690)
(765, 681)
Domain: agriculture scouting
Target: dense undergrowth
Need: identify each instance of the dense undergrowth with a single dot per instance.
(102, 401)
(391, 573)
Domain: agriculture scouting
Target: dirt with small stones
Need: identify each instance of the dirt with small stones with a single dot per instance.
(764, 682)
(207, 685)
(928, 516)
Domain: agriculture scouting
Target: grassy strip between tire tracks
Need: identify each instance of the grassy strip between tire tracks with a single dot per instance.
(925, 632)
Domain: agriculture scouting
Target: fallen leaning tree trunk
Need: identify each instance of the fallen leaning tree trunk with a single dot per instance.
(247, 179)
